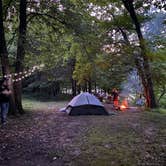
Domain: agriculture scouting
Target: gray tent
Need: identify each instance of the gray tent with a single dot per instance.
(85, 104)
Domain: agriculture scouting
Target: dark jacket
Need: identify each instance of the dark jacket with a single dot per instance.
(4, 98)
(115, 95)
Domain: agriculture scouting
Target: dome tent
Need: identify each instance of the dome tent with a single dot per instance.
(85, 104)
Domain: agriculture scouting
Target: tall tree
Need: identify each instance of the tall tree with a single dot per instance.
(146, 78)
(4, 57)
(20, 53)
(3, 48)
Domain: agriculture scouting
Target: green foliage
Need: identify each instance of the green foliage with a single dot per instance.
(160, 110)
(158, 65)
(57, 37)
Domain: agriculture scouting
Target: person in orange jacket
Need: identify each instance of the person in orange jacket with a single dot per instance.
(115, 97)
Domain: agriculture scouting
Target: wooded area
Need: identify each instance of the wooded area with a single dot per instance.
(51, 51)
(83, 44)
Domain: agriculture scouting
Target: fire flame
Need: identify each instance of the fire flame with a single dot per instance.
(124, 105)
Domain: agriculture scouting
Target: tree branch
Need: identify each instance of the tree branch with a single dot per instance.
(34, 14)
(162, 93)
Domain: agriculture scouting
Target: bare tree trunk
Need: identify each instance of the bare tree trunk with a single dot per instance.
(5, 59)
(73, 82)
(78, 89)
(84, 87)
(95, 86)
(20, 54)
(89, 86)
(74, 87)
(148, 85)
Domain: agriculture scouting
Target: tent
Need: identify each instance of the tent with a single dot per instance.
(85, 104)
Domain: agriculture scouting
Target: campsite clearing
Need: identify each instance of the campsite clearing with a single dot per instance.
(47, 137)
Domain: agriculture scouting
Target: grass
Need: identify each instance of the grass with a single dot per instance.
(32, 102)
(124, 139)
(106, 148)
(124, 144)
(160, 110)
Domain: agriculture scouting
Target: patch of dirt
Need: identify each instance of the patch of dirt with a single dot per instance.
(51, 138)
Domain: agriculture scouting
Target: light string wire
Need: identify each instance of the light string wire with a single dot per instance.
(22, 75)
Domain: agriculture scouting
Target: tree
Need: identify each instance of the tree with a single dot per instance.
(3, 47)
(21, 43)
(5, 59)
(146, 72)
(141, 58)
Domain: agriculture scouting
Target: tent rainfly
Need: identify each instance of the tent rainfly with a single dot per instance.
(85, 104)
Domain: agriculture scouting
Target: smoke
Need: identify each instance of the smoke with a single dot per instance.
(132, 87)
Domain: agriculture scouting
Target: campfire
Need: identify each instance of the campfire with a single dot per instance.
(124, 105)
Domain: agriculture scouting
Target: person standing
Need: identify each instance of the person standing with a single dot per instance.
(115, 97)
(4, 99)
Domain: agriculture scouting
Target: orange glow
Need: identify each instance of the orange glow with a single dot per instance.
(124, 105)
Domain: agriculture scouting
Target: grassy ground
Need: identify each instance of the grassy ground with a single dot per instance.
(45, 137)
(33, 103)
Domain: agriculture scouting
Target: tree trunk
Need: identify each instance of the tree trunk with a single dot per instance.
(20, 54)
(5, 60)
(78, 89)
(95, 86)
(148, 85)
(89, 86)
(73, 82)
(84, 87)
(74, 87)
(3, 48)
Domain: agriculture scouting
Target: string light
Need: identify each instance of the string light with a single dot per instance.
(23, 74)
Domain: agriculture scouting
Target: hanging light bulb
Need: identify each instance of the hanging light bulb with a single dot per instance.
(27, 73)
